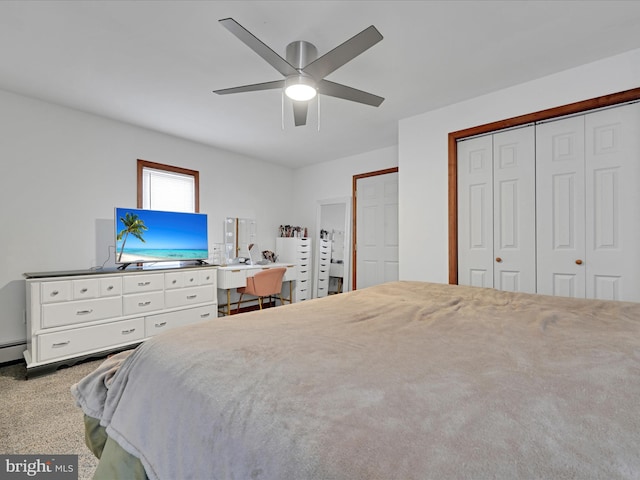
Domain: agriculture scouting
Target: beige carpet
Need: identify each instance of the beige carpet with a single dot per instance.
(39, 416)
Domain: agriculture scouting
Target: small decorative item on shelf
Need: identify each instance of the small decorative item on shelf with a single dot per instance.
(289, 231)
(270, 256)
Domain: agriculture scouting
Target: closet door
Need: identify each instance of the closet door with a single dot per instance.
(514, 238)
(560, 205)
(613, 203)
(475, 211)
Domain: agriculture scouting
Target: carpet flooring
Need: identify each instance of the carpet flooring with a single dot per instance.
(39, 415)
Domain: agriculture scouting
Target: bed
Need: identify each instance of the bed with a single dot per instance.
(405, 380)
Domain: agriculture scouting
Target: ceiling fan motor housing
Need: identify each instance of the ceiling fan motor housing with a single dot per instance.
(300, 54)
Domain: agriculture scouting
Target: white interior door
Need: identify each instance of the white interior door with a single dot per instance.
(514, 193)
(561, 234)
(613, 203)
(376, 229)
(475, 211)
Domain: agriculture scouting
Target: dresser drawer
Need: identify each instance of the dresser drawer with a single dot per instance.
(52, 292)
(143, 283)
(154, 324)
(110, 286)
(68, 313)
(85, 288)
(142, 302)
(189, 296)
(304, 271)
(190, 278)
(207, 277)
(86, 339)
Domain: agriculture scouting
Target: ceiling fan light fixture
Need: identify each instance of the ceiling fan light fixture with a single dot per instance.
(300, 88)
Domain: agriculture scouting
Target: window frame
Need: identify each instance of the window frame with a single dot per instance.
(142, 164)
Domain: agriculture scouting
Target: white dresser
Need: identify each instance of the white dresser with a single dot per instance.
(297, 251)
(71, 315)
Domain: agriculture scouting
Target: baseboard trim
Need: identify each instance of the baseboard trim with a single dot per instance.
(11, 353)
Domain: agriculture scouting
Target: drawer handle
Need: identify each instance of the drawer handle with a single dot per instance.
(205, 315)
(143, 284)
(127, 332)
(84, 290)
(54, 293)
(144, 304)
(235, 271)
(174, 282)
(110, 287)
(191, 297)
(192, 279)
(84, 312)
(208, 277)
(61, 344)
(578, 262)
(162, 324)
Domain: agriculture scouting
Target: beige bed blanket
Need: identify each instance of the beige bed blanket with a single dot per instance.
(406, 380)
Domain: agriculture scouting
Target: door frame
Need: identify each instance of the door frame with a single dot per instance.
(354, 216)
(569, 109)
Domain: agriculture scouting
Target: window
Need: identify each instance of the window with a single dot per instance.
(164, 187)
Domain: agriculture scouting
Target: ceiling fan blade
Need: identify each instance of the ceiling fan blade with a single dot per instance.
(333, 89)
(249, 39)
(343, 53)
(252, 88)
(300, 113)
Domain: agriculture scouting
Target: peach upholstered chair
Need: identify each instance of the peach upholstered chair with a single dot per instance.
(265, 283)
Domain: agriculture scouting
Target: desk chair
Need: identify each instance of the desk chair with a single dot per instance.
(265, 283)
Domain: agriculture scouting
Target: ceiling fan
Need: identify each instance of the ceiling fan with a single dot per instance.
(304, 72)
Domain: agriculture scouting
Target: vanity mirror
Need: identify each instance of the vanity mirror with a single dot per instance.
(239, 233)
(333, 255)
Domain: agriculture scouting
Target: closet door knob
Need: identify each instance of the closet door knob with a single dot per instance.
(578, 262)
(498, 259)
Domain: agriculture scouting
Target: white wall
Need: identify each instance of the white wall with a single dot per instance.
(64, 171)
(422, 152)
(333, 179)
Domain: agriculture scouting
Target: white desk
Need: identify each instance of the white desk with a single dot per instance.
(233, 276)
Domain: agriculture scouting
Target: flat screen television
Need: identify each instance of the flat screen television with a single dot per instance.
(149, 236)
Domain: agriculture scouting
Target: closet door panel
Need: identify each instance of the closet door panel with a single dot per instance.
(560, 206)
(514, 210)
(613, 203)
(475, 219)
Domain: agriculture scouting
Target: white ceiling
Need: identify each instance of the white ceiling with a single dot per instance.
(155, 63)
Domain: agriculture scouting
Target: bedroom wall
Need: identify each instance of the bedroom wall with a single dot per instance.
(64, 171)
(333, 179)
(422, 151)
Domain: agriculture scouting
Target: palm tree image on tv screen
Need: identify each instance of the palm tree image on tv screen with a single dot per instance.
(132, 226)
(146, 236)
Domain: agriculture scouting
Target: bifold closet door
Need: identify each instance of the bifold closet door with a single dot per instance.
(612, 158)
(560, 181)
(514, 210)
(496, 211)
(475, 211)
(588, 205)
